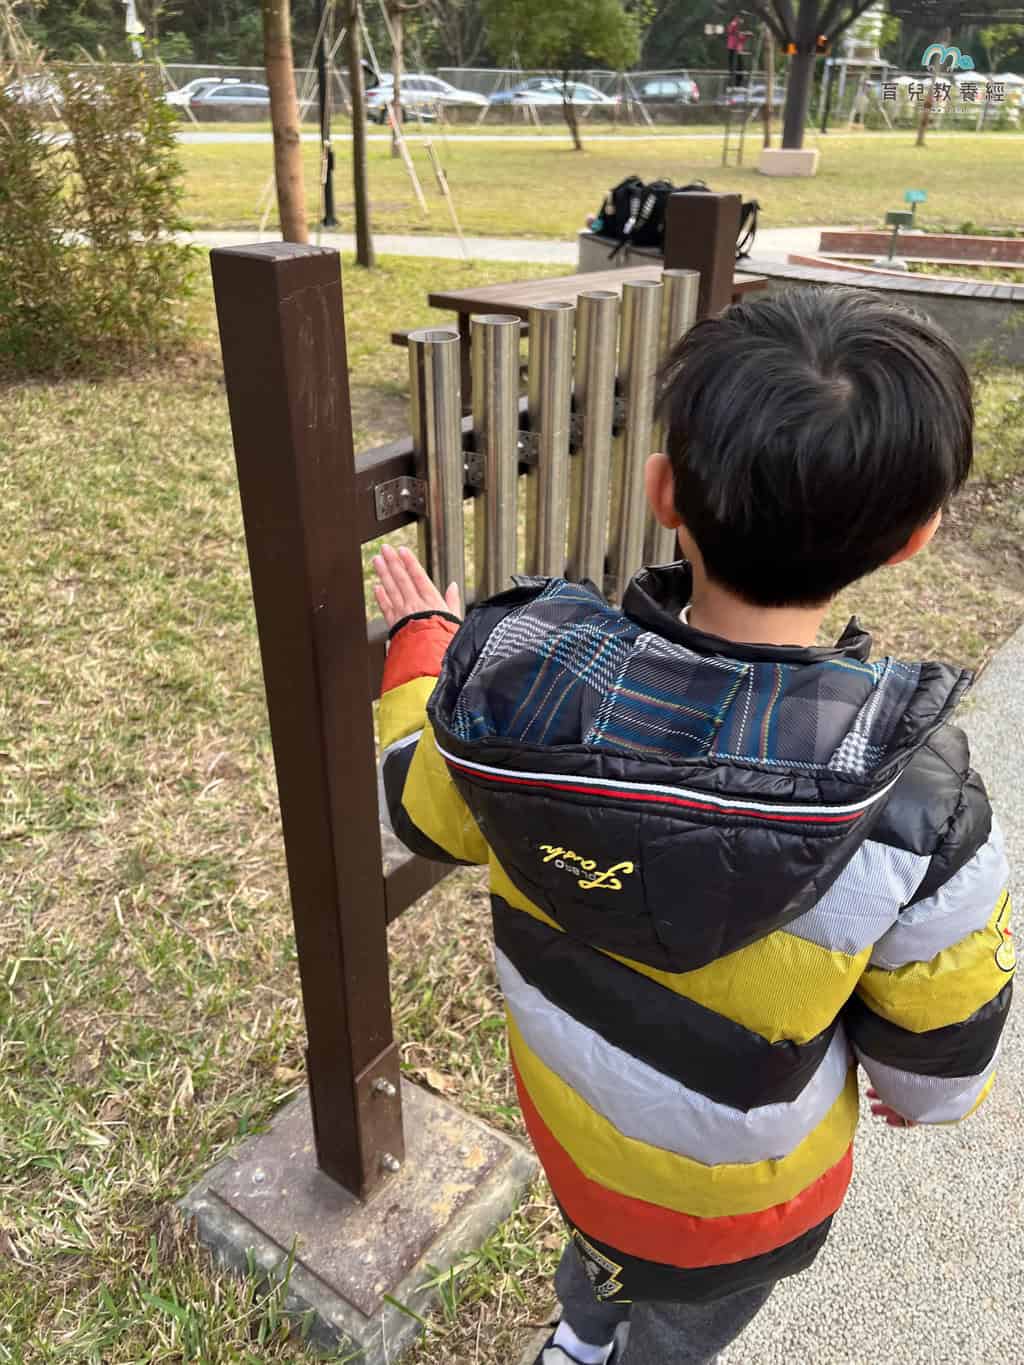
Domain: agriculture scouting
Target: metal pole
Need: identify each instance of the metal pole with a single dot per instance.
(495, 361)
(436, 413)
(597, 328)
(678, 314)
(327, 154)
(282, 334)
(826, 103)
(638, 361)
(550, 403)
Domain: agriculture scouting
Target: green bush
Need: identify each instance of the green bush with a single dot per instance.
(90, 278)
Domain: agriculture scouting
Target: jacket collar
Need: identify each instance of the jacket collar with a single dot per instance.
(657, 595)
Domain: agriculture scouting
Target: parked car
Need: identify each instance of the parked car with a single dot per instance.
(34, 90)
(535, 84)
(751, 96)
(186, 93)
(232, 100)
(421, 96)
(547, 90)
(681, 89)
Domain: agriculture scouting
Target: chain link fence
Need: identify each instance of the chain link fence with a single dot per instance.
(857, 97)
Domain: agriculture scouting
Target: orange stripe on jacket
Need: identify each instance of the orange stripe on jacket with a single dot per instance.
(416, 651)
(658, 1234)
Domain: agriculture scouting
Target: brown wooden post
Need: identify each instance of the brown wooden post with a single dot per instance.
(700, 234)
(279, 308)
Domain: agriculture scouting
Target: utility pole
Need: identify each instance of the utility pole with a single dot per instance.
(769, 78)
(323, 91)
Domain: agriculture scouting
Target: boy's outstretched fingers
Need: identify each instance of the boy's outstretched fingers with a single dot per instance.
(404, 588)
(886, 1111)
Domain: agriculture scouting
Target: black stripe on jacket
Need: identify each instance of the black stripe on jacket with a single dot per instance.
(650, 1280)
(696, 1046)
(394, 771)
(963, 1049)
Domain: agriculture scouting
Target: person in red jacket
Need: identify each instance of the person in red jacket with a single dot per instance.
(736, 38)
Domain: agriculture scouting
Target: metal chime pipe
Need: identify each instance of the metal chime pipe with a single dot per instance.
(678, 314)
(597, 328)
(436, 410)
(495, 370)
(638, 362)
(549, 400)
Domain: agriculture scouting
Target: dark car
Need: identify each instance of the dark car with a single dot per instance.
(678, 89)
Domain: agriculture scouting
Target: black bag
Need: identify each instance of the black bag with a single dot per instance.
(633, 213)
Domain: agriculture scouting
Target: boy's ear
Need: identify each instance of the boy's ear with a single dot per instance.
(917, 541)
(661, 492)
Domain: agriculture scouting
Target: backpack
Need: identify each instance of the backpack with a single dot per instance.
(633, 213)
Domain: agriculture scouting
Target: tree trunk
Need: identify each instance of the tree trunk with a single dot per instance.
(571, 117)
(798, 98)
(929, 99)
(360, 187)
(397, 43)
(284, 118)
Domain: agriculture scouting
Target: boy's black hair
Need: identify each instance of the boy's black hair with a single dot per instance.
(810, 434)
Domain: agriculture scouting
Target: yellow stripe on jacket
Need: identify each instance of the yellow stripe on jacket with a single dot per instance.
(781, 987)
(634, 1168)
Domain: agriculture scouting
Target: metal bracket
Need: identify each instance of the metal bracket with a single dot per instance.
(529, 447)
(405, 494)
(476, 475)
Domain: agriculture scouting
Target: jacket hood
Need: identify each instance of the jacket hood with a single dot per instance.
(663, 793)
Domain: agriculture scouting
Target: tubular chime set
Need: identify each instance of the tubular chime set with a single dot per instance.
(580, 439)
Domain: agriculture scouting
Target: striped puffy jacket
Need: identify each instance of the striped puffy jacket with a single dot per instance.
(721, 876)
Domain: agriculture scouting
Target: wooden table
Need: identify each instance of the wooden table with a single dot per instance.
(517, 297)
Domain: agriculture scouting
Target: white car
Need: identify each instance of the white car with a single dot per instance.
(197, 87)
(547, 90)
(421, 96)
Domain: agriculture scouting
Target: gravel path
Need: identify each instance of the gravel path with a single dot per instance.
(925, 1265)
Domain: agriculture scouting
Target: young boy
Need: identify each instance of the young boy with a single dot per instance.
(726, 864)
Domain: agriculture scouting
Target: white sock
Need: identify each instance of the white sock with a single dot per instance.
(582, 1351)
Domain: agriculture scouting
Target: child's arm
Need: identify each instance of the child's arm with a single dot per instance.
(928, 1012)
(427, 812)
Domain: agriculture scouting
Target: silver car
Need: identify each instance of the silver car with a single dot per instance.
(185, 94)
(235, 100)
(422, 97)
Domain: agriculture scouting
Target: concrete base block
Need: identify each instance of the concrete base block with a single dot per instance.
(595, 253)
(268, 1199)
(788, 161)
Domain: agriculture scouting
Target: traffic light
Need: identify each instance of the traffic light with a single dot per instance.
(821, 45)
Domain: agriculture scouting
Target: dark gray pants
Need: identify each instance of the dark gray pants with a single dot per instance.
(659, 1333)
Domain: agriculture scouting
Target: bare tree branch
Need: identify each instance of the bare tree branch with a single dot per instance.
(769, 17)
(851, 18)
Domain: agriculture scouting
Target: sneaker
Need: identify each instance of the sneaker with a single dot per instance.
(551, 1354)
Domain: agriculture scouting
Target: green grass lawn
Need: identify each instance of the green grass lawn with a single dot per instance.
(149, 1012)
(535, 190)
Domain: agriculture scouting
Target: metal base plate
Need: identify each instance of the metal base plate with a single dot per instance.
(458, 1181)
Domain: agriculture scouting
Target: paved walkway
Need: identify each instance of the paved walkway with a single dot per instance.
(924, 1266)
(773, 244)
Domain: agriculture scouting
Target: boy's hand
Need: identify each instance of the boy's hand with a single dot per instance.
(403, 588)
(885, 1111)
